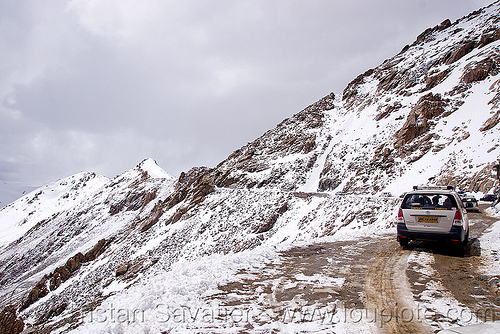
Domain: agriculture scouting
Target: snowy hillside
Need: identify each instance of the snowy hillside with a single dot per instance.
(41, 204)
(429, 114)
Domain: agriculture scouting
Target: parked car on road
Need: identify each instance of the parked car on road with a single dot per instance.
(470, 203)
(433, 213)
(489, 198)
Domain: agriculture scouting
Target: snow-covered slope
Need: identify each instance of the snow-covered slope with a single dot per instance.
(429, 114)
(52, 224)
(41, 204)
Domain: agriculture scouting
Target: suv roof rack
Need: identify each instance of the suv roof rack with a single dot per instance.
(433, 187)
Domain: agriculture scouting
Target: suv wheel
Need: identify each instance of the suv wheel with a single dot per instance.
(462, 246)
(403, 242)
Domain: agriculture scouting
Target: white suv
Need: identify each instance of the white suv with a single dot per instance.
(433, 213)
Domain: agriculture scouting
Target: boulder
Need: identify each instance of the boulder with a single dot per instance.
(97, 250)
(74, 263)
(122, 270)
(491, 122)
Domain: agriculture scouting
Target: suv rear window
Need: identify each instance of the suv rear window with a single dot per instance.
(429, 202)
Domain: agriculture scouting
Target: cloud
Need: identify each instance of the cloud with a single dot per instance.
(101, 84)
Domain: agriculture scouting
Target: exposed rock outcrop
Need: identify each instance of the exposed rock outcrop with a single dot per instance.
(478, 71)
(122, 270)
(428, 107)
(9, 322)
(52, 281)
(462, 50)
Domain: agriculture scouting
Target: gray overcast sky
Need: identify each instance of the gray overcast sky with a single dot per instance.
(98, 85)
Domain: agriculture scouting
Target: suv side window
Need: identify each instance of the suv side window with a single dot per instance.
(429, 202)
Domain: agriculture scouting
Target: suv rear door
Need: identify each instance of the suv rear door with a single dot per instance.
(429, 212)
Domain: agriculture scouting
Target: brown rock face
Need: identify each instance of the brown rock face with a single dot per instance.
(491, 122)
(489, 37)
(74, 262)
(428, 107)
(479, 71)
(410, 130)
(97, 250)
(435, 80)
(9, 323)
(63, 273)
(461, 51)
(133, 201)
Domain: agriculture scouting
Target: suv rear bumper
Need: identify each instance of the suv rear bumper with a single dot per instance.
(456, 233)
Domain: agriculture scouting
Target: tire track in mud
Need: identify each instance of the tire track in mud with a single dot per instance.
(388, 294)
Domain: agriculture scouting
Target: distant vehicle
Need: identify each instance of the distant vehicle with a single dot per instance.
(433, 213)
(489, 198)
(470, 203)
(385, 194)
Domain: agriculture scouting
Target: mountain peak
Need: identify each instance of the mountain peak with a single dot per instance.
(150, 166)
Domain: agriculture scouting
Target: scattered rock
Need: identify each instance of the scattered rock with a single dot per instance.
(122, 270)
(491, 122)
(327, 184)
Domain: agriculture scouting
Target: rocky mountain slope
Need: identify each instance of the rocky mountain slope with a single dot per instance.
(428, 114)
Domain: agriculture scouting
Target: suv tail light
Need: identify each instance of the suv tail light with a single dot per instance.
(400, 216)
(457, 221)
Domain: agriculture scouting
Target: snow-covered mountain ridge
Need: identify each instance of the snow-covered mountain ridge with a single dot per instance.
(428, 114)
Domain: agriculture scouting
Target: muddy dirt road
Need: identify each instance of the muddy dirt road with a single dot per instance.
(372, 286)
